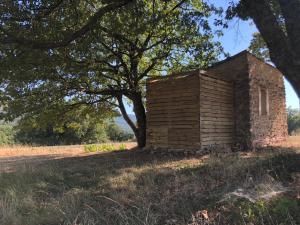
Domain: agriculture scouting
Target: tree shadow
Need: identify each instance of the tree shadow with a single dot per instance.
(179, 194)
(164, 187)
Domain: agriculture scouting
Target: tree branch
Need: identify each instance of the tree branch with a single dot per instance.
(281, 52)
(49, 10)
(290, 10)
(151, 66)
(11, 39)
(125, 115)
(265, 20)
(111, 92)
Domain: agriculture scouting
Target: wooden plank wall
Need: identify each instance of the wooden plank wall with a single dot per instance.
(216, 111)
(173, 112)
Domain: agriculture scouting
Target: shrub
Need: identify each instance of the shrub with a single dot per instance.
(74, 131)
(104, 147)
(122, 146)
(293, 121)
(7, 134)
(115, 133)
(281, 210)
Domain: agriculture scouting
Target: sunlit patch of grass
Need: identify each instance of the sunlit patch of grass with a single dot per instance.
(280, 210)
(122, 146)
(104, 147)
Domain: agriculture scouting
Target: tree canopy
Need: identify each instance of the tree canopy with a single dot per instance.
(51, 24)
(278, 24)
(293, 121)
(259, 48)
(80, 126)
(104, 66)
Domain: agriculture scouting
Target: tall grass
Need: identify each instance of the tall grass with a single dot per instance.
(135, 189)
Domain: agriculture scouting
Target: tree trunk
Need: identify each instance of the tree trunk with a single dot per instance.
(139, 129)
(283, 46)
(140, 114)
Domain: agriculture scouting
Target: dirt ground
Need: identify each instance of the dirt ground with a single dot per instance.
(65, 185)
(12, 157)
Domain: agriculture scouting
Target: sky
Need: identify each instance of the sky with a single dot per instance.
(237, 38)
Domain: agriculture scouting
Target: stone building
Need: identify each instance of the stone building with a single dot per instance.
(238, 102)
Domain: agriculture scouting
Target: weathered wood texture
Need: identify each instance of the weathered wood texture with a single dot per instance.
(236, 69)
(173, 112)
(217, 124)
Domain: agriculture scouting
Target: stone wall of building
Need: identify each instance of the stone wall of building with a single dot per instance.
(268, 115)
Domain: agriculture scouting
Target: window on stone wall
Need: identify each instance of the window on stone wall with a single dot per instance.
(263, 102)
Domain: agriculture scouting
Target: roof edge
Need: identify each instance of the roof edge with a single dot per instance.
(244, 52)
(176, 75)
(201, 71)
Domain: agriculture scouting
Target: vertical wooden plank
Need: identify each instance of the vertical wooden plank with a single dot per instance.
(199, 107)
(173, 104)
(221, 100)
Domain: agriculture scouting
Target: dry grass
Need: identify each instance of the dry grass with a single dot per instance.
(291, 142)
(133, 188)
(14, 157)
(68, 150)
(23, 150)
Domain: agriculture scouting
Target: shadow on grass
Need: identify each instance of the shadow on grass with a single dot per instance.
(129, 187)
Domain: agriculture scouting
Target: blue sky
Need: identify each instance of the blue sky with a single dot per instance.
(237, 38)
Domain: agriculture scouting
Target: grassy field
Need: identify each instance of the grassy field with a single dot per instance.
(70, 186)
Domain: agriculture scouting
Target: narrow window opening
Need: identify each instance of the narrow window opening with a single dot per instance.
(263, 102)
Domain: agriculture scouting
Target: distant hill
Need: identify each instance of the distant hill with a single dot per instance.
(122, 123)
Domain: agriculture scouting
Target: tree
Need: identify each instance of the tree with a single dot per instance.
(278, 24)
(51, 24)
(78, 126)
(293, 116)
(115, 133)
(110, 65)
(259, 48)
(7, 134)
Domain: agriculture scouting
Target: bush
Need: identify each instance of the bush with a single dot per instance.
(72, 131)
(293, 121)
(104, 147)
(83, 129)
(281, 210)
(115, 133)
(7, 134)
(122, 146)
